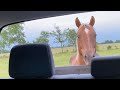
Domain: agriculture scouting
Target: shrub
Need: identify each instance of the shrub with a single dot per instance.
(109, 47)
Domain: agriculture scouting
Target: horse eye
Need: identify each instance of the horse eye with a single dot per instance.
(78, 37)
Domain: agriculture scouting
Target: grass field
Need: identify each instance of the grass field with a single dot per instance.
(62, 59)
(4, 59)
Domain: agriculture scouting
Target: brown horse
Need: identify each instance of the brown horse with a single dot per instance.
(85, 42)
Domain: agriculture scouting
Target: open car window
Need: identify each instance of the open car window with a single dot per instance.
(69, 37)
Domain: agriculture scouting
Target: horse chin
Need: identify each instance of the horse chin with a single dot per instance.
(87, 62)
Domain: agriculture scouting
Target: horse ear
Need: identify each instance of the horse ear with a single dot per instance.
(92, 21)
(77, 22)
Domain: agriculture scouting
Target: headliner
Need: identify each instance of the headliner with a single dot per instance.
(10, 17)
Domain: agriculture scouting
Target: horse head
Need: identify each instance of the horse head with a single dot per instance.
(86, 40)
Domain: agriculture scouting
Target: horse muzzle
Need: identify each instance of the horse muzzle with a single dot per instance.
(88, 60)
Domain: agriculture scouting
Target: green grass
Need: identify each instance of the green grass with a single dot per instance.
(61, 59)
(113, 45)
(4, 68)
(112, 52)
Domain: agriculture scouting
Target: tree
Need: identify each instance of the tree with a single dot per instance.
(12, 34)
(2, 45)
(71, 37)
(43, 38)
(59, 36)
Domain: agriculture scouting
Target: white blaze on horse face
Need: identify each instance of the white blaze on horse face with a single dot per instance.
(86, 30)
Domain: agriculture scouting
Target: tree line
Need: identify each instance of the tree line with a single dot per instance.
(110, 41)
(14, 34)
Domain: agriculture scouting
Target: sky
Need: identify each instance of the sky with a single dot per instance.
(107, 24)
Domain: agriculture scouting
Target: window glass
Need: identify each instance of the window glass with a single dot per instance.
(72, 40)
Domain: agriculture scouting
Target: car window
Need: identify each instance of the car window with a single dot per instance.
(74, 39)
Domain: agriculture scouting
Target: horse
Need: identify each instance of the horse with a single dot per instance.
(85, 43)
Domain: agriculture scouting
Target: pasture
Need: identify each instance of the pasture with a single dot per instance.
(62, 59)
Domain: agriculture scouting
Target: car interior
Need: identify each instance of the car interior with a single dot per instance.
(35, 61)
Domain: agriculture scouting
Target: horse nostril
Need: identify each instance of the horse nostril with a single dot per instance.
(93, 55)
(85, 56)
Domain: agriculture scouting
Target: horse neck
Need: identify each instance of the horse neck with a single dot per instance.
(79, 57)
